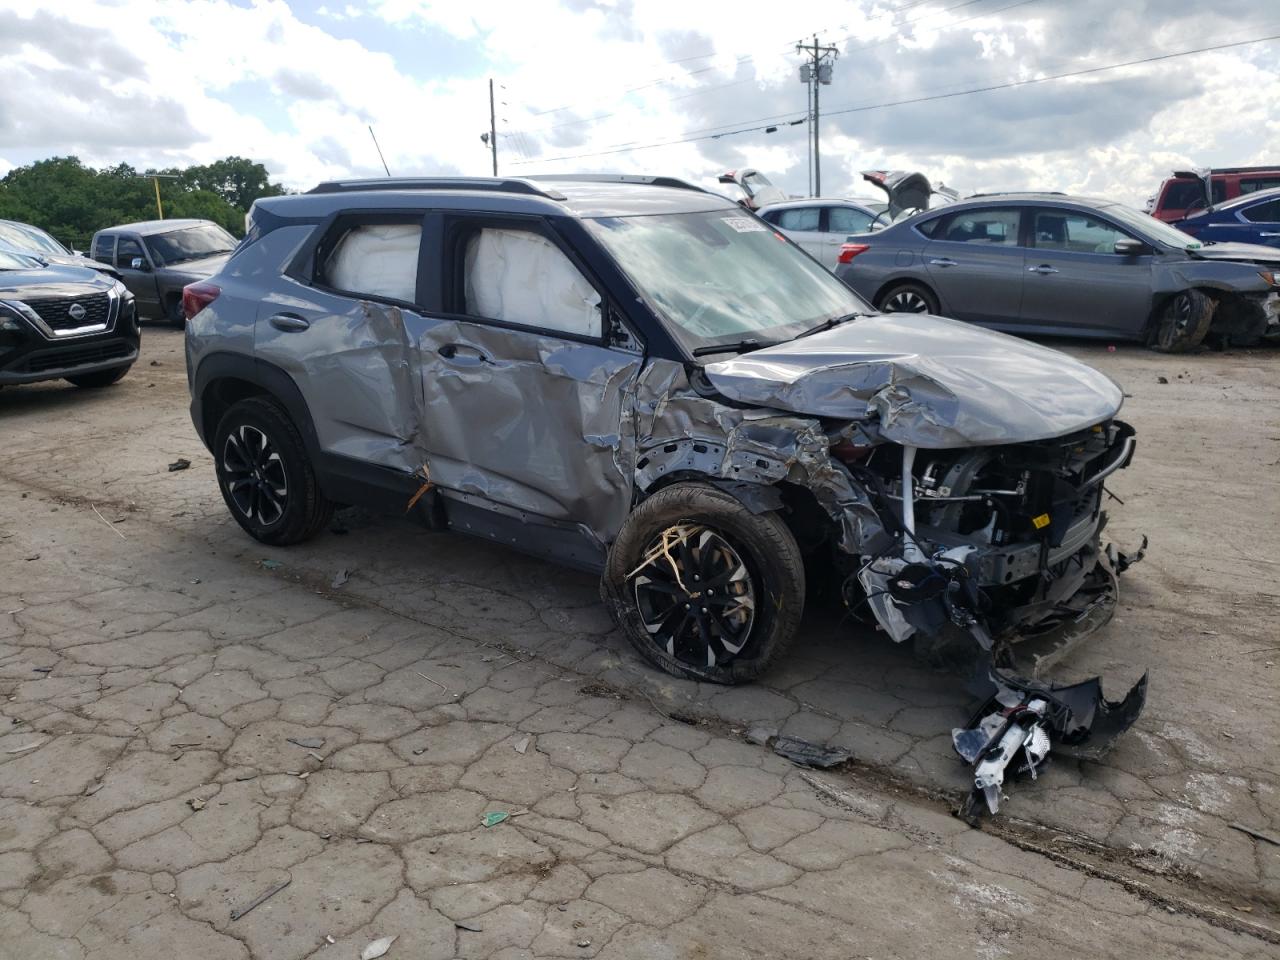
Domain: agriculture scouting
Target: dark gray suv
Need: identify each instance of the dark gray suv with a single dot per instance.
(635, 377)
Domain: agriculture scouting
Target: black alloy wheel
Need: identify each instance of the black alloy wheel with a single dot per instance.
(254, 474)
(695, 596)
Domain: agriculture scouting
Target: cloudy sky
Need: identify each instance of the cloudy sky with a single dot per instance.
(612, 85)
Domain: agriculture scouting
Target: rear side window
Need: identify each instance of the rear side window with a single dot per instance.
(798, 218)
(104, 247)
(989, 227)
(1254, 184)
(373, 260)
(126, 250)
(1268, 212)
(847, 220)
(930, 227)
(521, 277)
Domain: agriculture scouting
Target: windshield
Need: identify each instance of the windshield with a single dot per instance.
(720, 277)
(189, 243)
(25, 238)
(16, 261)
(1155, 229)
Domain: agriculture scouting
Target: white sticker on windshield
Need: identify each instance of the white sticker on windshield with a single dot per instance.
(745, 224)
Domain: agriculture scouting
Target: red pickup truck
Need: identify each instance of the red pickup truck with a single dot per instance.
(1190, 190)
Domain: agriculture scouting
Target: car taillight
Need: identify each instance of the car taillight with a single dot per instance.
(196, 296)
(850, 250)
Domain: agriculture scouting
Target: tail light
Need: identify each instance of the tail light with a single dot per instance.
(850, 250)
(196, 296)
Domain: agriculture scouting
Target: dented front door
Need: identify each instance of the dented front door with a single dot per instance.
(530, 422)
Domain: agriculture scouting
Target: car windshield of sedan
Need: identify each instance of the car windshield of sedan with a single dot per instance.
(17, 261)
(25, 238)
(1154, 229)
(189, 243)
(720, 276)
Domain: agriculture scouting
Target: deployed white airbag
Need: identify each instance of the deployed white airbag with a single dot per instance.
(519, 277)
(379, 259)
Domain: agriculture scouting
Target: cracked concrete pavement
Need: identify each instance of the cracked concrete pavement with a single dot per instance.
(153, 674)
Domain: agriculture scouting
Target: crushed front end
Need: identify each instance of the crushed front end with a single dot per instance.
(992, 563)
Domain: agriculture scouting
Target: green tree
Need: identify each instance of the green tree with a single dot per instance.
(73, 201)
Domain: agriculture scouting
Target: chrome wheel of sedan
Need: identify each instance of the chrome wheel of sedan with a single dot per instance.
(695, 595)
(906, 301)
(254, 474)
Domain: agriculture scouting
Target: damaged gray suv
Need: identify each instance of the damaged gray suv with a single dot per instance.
(637, 378)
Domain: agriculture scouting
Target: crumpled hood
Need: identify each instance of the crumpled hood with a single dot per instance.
(925, 381)
(1249, 252)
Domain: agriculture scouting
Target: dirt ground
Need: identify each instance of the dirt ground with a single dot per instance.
(155, 662)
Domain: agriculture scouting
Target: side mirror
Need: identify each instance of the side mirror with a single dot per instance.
(137, 263)
(1130, 248)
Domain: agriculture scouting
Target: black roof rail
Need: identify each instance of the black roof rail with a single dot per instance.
(652, 181)
(488, 184)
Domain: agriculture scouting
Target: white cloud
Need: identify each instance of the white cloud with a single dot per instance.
(160, 82)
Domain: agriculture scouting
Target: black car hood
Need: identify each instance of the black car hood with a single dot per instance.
(925, 381)
(1248, 252)
(52, 281)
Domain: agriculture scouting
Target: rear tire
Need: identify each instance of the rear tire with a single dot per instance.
(103, 378)
(266, 478)
(173, 313)
(1183, 322)
(908, 298)
(746, 568)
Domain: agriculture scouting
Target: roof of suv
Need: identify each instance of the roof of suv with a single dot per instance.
(825, 201)
(1033, 199)
(583, 195)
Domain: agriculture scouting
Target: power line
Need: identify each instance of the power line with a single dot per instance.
(627, 148)
(701, 91)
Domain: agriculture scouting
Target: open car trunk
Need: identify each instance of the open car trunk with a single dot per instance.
(909, 191)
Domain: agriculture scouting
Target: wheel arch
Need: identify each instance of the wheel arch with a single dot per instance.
(223, 379)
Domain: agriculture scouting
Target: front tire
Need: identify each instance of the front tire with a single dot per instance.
(103, 378)
(703, 587)
(266, 478)
(908, 298)
(1184, 321)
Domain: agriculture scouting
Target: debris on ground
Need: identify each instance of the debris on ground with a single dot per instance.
(761, 736)
(522, 745)
(195, 803)
(469, 927)
(29, 746)
(494, 818)
(341, 577)
(1162, 379)
(180, 464)
(307, 743)
(270, 564)
(377, 949)
(260, 899)
(1011, 732)
(806, 754)
(1267, 837)
(42, 669)
(584, 943)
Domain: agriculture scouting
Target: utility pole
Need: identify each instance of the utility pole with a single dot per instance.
(155, 179)
(816, 73)
(493, 130)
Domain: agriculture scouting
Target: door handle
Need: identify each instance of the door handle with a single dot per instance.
(462, 353)
(1042, 269)
(942, 262)
(289, 322)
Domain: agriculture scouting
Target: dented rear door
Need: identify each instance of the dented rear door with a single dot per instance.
(352, 352)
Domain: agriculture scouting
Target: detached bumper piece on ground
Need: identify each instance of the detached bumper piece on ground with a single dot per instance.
(1020, 720)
